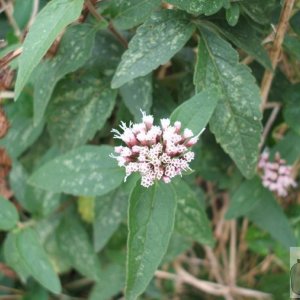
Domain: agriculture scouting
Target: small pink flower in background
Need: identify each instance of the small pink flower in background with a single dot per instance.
(156, 152)
(276, 176)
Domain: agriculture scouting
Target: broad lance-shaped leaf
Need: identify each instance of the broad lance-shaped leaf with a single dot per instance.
(85, 171)
(74, 49)
(244, 36)
(49, 23)
(259, 205)
(36, 201)
(150, 222)
(110, 209)
(24, 253)
(291, 110)
(236, 119)
(178, 244)
(233, 14)
(77, 111)
(196, 112)
(137, 95)
(8, 214)
(110, 283)
(133, 12)
(191, 220)
(207, 7)
(77, 248)
(288, 147)
(155, 42)
(22, 132)
(246, 198)
(259, 11)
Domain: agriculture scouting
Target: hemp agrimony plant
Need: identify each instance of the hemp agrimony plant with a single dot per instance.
(110, 188)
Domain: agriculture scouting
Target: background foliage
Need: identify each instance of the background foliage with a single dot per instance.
(71, 70)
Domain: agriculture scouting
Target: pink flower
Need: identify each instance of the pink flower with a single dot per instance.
(276, 176)
(156, 152)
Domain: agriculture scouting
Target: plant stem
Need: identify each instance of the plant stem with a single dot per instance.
(111, 27)
(276, 50)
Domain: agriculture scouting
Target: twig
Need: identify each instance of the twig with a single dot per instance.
(276, 49)
(111, 27)
(10, 290)
(210, 287)
(269, 124)
(242, 243)
(78, 283)
(232, 254)
(7, 95)
(219, 230)
(8, 8)
(215, 267)
(10, 56)
(34, 12)
(247, 60)
(258, 268)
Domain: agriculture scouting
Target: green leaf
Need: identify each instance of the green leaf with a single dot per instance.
(137, 95)
(133, 12)
(151, 221)
(22, 132)
(48, 24)
(244, 36)
(109, 212)
(295, 22)
(291, 110)
(292, 45)
(8, 214)
(154, 43)
(36, 292)
(233, 14)
(207, 7)
(259, 205)
(106, 54)
(77, 111)
(22, 12)
(191, 220)
(163, 103)
(246, 198)
(74, 49)
(268, 215)
(85, 171)
(178, 244)
(110, 283)
(34, 200)
(74, 242)
(23, 252)
(236, 119)
(259, 11)
(47, 232)
(288, 147)
(197, 111)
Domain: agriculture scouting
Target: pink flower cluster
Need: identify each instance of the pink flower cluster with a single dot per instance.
(156, 152)
(276, 176)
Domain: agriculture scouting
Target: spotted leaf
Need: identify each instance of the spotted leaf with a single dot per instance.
(154, 43)
(87, 170)
(236, 119)
(151, 221)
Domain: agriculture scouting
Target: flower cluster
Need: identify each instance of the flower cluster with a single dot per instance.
(276, 176)
(156, 152)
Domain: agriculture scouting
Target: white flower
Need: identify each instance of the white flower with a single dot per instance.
(156, 152)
